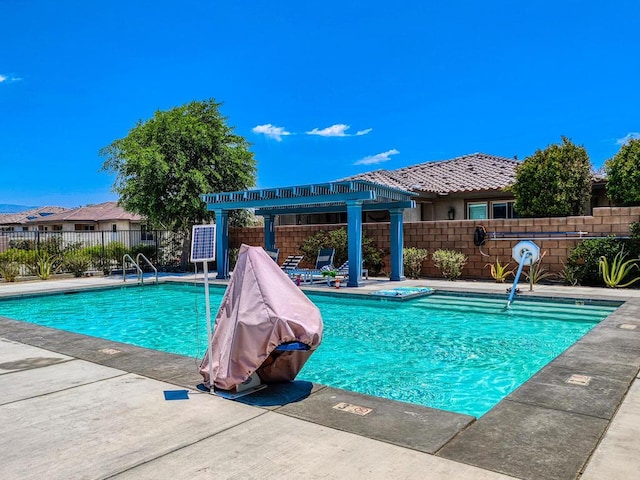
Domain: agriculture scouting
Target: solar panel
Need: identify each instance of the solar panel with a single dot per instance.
(203, 243)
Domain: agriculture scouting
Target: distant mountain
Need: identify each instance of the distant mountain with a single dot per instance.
(10, 208)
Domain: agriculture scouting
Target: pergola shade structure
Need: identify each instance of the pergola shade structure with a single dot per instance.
(354, 197)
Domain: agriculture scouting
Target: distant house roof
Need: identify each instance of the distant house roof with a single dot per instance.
(101, 212)
(476, 172)
(22, 218)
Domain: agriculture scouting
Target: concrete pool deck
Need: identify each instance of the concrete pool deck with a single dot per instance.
(74, 406)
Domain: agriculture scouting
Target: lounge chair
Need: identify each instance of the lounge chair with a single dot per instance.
(291, 262)
(343, 270)
(324, 259)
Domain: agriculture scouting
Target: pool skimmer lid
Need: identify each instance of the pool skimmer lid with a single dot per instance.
(581, 380)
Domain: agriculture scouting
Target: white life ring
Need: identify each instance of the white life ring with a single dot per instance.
(519, 251)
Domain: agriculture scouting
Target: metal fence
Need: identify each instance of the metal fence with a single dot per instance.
(98, 250)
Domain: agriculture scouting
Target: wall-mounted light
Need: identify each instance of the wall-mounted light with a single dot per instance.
(451, 214)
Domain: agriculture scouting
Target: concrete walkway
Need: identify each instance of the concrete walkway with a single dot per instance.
(77, 407)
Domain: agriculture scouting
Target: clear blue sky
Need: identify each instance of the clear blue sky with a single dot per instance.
(413, 81)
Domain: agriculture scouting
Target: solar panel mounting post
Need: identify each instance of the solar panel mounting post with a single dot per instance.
(203, 249)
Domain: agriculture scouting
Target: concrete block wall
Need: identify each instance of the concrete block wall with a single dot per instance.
(458, 235)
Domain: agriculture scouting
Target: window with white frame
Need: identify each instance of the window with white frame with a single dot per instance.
(477, 211)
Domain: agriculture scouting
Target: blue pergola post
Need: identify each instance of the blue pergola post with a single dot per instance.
(222, 243)
(354, 237)
(269, 232)
(397, 244)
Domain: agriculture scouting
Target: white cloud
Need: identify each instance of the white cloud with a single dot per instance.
(271, 131)
(8, 78)
(337, 130)
(379, 158)
(629, 136)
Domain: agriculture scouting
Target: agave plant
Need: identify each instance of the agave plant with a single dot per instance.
(499, 272)
(45, 265)
(537, 272)
(615, 272)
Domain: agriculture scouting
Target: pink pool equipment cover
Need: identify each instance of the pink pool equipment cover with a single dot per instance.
(262, 309)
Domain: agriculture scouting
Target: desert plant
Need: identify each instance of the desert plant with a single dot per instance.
(76, 263)
(9, 270)
(45, 265)
(499, 272)
(614, 273)
(585, 257)
(568, 274)
(537, 272)
(449, 262)
(412, 259)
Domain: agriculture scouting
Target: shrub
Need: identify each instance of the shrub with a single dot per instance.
(449, 262)
(585, 258)
(337, 239)
(634, 229)
(9, 270)
(412, 259)
(623, 175)
(554, 182)
(148, 251)
(76, 263)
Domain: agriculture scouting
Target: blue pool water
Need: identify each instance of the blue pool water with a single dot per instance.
(461, 354)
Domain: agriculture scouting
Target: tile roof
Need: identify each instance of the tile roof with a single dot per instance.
(101, 212)
(21, 218)
(476, 172)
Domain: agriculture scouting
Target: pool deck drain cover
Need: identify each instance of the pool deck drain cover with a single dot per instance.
(582, 380)
(350, 408)
(109, 351)
(627, 326)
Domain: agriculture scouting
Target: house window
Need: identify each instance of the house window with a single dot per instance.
(145, 233)
(114, 227)
(477, 211)
(503, 210)
(79, 227)
(57, 228)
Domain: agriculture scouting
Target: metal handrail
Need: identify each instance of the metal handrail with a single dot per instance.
(140, 255)
(124, 269)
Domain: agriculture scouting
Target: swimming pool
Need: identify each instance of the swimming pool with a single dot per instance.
(462, 354)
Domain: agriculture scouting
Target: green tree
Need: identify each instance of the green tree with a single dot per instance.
(165, 163)
(553, 182)
(623, 175)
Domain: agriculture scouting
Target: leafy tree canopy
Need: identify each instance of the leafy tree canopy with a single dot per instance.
(623, 175)
(553, 182)
(166, 162)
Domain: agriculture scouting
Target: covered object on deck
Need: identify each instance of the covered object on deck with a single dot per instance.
(262, 310)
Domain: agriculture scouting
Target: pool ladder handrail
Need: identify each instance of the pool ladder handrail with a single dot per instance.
(138, 257)
(124, 268)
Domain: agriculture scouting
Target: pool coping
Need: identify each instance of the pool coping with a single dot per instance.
(547, 428)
